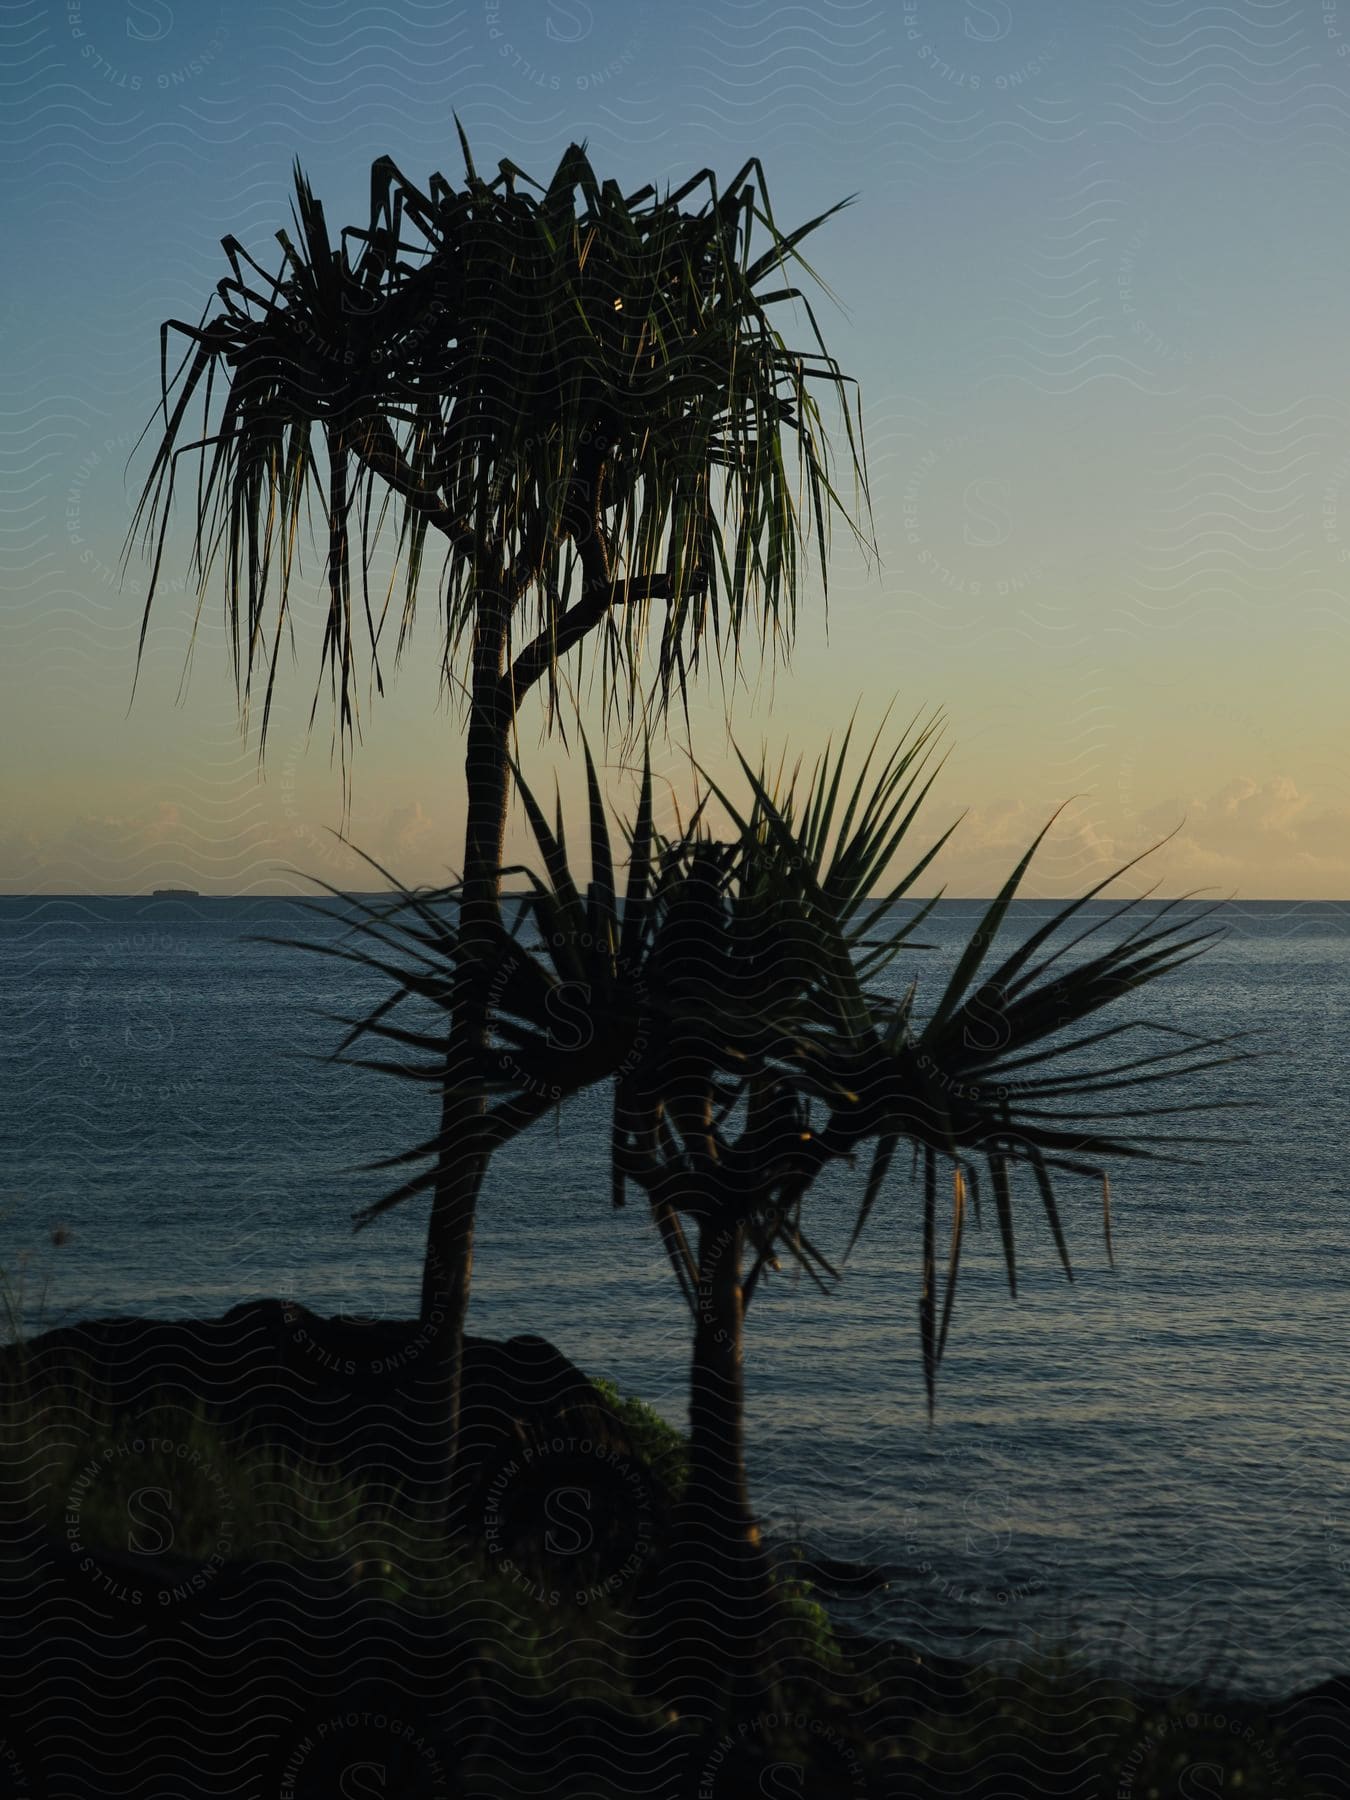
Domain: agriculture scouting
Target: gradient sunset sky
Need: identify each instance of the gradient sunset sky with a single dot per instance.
(1094, 286)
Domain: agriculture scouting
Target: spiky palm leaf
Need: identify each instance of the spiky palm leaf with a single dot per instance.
(1000, 1072)
(830, 864)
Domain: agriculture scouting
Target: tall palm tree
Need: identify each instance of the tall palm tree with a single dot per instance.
(584, 395)
(733, 999)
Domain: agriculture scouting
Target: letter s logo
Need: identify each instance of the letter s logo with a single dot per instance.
(1202, 1781)
(783, 1781)
(157, 17)
(577, 14)
(148, 1029)
(568, 1008)
(557, 1514)
(155, 1534)
(353, 1784)
(987, 1028)
(998, 16)
(985, 529)
(988, 1528)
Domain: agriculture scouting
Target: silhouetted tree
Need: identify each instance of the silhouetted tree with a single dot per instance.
(733, 999)
(584, 398)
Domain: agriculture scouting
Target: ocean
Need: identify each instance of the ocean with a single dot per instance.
(1151, 1464)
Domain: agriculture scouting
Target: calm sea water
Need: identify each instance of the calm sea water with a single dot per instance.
(1154, 1461)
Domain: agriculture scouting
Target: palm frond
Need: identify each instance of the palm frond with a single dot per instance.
(584, 394)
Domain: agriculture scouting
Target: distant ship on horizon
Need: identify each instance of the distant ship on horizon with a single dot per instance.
(175, 894)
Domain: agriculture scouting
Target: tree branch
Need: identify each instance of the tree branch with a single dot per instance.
(375, 444)
(596, 600)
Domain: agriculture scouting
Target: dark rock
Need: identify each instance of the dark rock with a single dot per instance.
(130, 1667)
(361, 1394)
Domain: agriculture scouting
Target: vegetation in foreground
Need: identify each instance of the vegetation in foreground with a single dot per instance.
(849, 1715)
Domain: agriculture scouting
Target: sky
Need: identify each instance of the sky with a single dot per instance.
(1093, 286)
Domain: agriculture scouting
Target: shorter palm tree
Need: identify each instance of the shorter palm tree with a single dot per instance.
(734, 1000)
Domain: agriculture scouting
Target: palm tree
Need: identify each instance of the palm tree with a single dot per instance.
(733, 1001)
(585, 396)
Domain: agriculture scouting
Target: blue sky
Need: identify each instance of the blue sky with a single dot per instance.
(1093, 287)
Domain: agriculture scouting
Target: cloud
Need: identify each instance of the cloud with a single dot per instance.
(412, 845)
(992, 839)
(131, 852)
(411, 834)
(1262, 837)
(125, 836)
(108, 853)
(1254, 839)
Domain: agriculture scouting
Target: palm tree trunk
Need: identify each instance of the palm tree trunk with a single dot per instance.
(460, 1168)
(717, 1389)
(726, 1607)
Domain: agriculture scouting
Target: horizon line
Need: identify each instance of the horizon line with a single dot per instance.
(524, 893)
